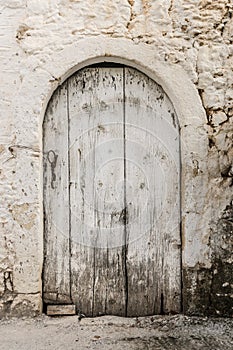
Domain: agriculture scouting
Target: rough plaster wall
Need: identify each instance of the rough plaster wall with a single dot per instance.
(196, 35)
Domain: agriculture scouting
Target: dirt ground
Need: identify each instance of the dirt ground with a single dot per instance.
(108, 332)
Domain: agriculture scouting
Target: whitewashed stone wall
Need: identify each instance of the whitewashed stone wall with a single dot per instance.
(186, 46)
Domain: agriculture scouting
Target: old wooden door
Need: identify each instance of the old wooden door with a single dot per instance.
(112, 195)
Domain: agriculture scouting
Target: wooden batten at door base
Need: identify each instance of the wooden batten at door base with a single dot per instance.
(61, 310)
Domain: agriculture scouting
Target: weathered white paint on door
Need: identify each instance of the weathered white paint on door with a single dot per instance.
(112, 195)
(56, 276)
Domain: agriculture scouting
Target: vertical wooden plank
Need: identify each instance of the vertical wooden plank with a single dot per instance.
(97, 190)
(56, 275)
(152, 197)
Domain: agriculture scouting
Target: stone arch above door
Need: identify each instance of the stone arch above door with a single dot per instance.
(41, 80)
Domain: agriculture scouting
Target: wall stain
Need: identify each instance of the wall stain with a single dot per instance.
(208, 291)
(22, 214)
(228, 173)
(8, 282)
(22, 32)
(132, 14)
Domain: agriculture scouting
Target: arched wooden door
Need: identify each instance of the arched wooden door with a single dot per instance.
(112, 195)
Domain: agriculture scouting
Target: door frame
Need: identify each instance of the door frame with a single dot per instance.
(177, 226)
(176, 83)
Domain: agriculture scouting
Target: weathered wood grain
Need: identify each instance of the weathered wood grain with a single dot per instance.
(153, 198)
(97, 190)
(61, 310)
(56, 274)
